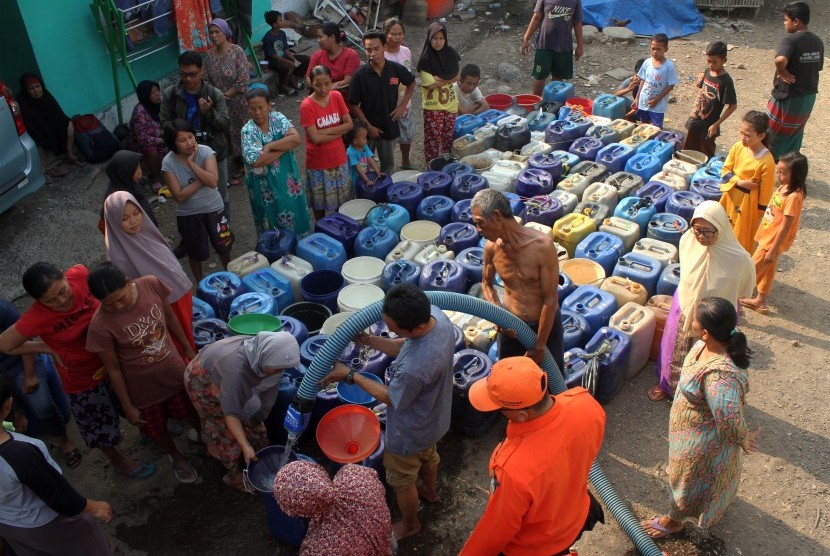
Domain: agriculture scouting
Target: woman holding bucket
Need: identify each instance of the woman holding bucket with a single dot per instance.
(233, 384)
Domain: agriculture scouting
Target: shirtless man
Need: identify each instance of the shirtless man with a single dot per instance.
(528, 265)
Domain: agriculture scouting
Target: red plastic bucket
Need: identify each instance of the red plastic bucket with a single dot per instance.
(499, 101)
(583, 104)
(528, 101)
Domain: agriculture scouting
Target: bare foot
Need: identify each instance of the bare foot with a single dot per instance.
(403, 531)
(755, 304)
(427, 494)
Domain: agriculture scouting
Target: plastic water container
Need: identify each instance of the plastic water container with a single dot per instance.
(641, 269)
(322, 286)
(363, 270)
(310, 347)
(466, 186)
(422, 232)
(594, 171)
(357, 209)
(568, 160)
(209, 330)
(466, 124)
(567, 199)
(472, 259)
(294, 269)
(575, 366)
(656, 191)
(663, 151)
(539, 120)
(670, 180)
(405, 249)
(707, 188)
(646, 131)
(546, 230)
(706, 172)
(638, 323)
(432, 253)
(270, 282)
(389, 215)
(627, 231)
(558, 91)
(636, 210)
(375, 189)
(470, 366)
(604, 133)
(644, 165)
(683, 204)
(561, 133)
(443, 275)
(595, 211)
(201, 310)
(661, 305)
(625, 290)
(609, 106)
(406, 194)
(586, 148)
(667, 227)
(572, 228)
(542, 209)
(304, 318)
(466, 145)
(219, 290)
(615, 156)
(457, 168)
(492, 115)
(484, 139)
(323, 252)
(612, 366)
(681, 168)
(253, 302)
(574, 183)
(669, 280)
(593, 304)
(549, 106)
(462, 212)
(535, 146)
(435, 208)
(622, 127)
(602, 248)
(375, 241)
(400, 272)
(575, 329)
(247, 263)
(435, 183)
(665, 253)
(355, 297)
(340, 227)
(673, 137)
(582, 123)
(601, 193)
(276, 243)
(626, 183)
(531, 182)
(512, 134)
(549, 163)
(458, 236)
(502, 176)
(697, 158)
(480, 162)
(583, 272)
(566, 286)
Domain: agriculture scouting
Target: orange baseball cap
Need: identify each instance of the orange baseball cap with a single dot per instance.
(513, 383)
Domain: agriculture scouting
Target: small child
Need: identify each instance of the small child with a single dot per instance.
(470, 98)
(131, 333)
(280, 57)
(631, 85)
(657, 79)
(361, 156)
(778, 226)
(715, 102)
(396, 51)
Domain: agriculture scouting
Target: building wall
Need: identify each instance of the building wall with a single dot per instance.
(14, 39)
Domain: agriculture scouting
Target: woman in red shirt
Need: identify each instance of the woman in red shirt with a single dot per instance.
(325, 118)
(60, 316)
(341, 60)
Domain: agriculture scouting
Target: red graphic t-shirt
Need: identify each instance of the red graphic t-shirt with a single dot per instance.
(65, 333)
(327, 155)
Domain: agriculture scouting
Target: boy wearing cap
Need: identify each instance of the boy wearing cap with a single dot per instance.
(539, 500)
(418, 396)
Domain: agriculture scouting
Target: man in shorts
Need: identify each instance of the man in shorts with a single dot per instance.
(554, 49)
(418, 397)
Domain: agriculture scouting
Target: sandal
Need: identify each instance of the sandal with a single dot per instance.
(241, 487)
(72, 459)
(185, 476)
(141, 470)
(760, 309)
(655, 393)
(661, 531)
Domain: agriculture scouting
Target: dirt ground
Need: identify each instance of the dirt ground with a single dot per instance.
(783, 502)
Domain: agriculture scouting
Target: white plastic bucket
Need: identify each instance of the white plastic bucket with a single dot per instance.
(423, 232)
(333, 323)
(357, 209)
(406, 175)
(363, 270)
(355, 297)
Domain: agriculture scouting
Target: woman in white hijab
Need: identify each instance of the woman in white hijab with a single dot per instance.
(712, 264)
(233, 384)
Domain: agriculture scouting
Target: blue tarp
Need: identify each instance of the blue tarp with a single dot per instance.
(676, 18)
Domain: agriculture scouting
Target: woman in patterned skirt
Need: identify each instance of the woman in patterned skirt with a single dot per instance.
(707, 430)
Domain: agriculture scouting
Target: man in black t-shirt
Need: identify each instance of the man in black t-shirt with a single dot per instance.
(373, 98)
(717, 91)
(798, 61)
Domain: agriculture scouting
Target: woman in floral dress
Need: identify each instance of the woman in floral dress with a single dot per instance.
(275, 189)
(707, 430)
(226, 68)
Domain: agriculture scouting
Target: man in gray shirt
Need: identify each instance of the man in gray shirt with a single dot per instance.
(419, 396)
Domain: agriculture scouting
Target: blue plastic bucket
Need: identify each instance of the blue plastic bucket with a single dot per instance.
(322, 286)
(352, 393)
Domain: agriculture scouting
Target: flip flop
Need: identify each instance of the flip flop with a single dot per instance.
(655, 393)
(72, 459)
(661, 531)
(184, 476)
(141, 470)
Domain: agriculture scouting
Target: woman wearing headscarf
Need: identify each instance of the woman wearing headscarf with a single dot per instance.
(348, 515)
(439, 69)
(148, 136)
(124, 172)
(226, 68)
(712, 264)
(233, 384)
(45, 120)
(135, 245)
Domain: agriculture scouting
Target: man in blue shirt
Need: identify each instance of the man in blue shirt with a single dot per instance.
(418, 397)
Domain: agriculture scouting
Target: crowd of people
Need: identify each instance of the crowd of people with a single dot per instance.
(117, 340)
